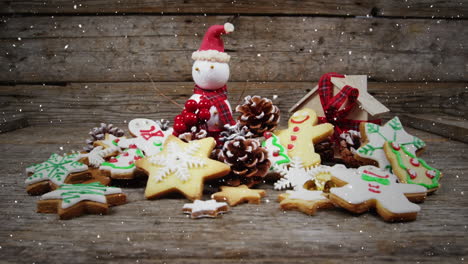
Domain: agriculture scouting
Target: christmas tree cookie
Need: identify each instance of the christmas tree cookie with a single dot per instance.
(371, 187)
(72, 200)
(55, 171)
(181, 167)
(277, 154)
(375, 136)
(302, 133)
(411, 169)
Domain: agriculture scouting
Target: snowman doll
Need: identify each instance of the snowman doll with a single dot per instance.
(208, 108)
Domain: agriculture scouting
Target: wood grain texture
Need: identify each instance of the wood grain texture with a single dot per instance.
(157, 231)
(455, 128)
(419, 8)
(91, 103)
(125, 48)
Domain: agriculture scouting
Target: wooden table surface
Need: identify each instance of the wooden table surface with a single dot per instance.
(66, 66)
(156, 231)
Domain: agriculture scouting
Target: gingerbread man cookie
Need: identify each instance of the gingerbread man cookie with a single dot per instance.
(302, 133)
(181, 167)
(238, 195)
(371, 187)
(55, 171)
(72, 200)
(201, 209)
(411, 169)
(375, 136)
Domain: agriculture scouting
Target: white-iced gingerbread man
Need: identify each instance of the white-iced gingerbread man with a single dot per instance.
(148, 136)
(302, 133)
(374, 187)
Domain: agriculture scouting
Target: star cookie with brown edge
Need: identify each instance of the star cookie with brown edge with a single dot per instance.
(57, 170)
(237, 195)
(181, 167)
(73, 200)
(200, 209)
(110, 142)
(304, 200)
(301, 134)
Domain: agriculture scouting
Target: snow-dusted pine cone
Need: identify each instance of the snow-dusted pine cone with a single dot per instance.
(258, 114)
(98, 133)
(248, 160)
(234, 131)
(349, 142)
(325, 150)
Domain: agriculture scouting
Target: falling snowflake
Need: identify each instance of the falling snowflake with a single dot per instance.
(177, 160)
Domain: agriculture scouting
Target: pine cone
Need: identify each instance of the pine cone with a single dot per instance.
(349, 142)
(258, 114)
(98, 133)
(248, 160)
(234, 131)
(325, 150)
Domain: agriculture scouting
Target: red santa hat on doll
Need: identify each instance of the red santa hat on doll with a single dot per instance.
(212, 47)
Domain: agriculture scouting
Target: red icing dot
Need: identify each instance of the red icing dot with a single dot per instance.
(136, 157)
(431, 174)
(293, 138)
(275, 154)
(130, 162)
(396, 146)
(412, 173)
(132, 146)
(125, 154)
(296, 129)
(414, 162)
(290, 146)
(113, 160)
(267, 135)
(117, 140)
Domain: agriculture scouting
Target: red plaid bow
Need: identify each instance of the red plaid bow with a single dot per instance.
(217, 98)
(331, 105)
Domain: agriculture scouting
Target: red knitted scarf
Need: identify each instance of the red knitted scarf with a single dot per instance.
(217, 98)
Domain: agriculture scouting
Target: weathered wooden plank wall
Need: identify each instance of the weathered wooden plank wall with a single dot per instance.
(60, 59)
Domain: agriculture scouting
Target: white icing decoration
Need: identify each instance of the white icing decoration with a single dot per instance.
(306, 195)
(201, 206)
(149, 137)
(271, 149)
(72, 194)
(177, 160)
(378, 135)
(391, 196)
(125, 163)
(96, 156)
(293, 177)
(56, 169)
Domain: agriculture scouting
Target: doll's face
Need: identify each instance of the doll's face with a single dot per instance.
(210, 75)
(142, 125)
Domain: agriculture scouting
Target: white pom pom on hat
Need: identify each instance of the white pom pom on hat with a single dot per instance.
(212, 46)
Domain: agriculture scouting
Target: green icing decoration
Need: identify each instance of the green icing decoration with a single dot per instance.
(74, 191)
(395, 124)
(112, 165)
(56, 168)
(370, 178)
(159, 143)
(115, 143)
(281, 150)
(368, 149)
(435, 180)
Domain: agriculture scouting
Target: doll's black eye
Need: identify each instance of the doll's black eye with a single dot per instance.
(212, 67)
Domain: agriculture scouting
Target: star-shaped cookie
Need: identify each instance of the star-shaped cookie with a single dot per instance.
(304, 200)
(181, 167)
(375, 136)
(72, 200)
(237, 195)
(200, 209)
